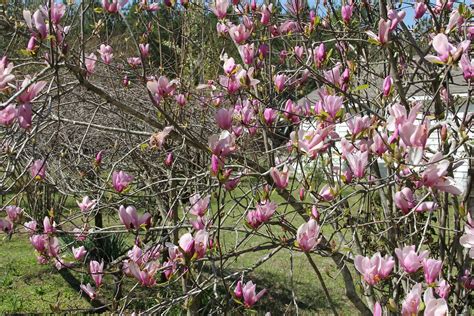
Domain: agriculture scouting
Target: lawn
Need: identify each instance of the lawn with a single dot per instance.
(290, 280)
(30, 287)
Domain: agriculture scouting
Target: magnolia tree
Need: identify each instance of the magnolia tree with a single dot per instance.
(299, 127)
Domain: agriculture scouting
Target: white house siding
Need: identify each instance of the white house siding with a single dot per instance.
(460, 173)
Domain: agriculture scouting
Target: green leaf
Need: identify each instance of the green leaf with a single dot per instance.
(361, 87)
(373, 41)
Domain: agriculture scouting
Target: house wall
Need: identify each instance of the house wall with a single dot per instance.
(460, 173)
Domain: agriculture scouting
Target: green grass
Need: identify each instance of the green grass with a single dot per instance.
(30, 287)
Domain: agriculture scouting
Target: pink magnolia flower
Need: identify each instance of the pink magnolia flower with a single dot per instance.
(130, 218)
(186, 243)
(224, 118)
(358, 124)
(199, 205)
(327, 193)
(145, 276)
(38, 19)
(48, 227)
(144, 50)
(455, 19)
(346, 13)
(98, 158)
(465, 64)
(201, 243)
(31, 226)
(358, 162)
(420, 9)
(158, 139)
(121, 180)
(379, 146)
(231, 184)
(266, 12)
(231, 83)
(223, 144)
(374, 269)
(247, 52)
(443, 288)
(411, 303)
(13, 212)
(238, 290)
(216, 165)
(431, 269)
(219, 7)
(280, 81)
(57, 12)
(262, 214)
(405, 200)
(246, 78)
(162, 87)
(96, 270)
(134, 62)
(377, 309)
(89, 290)
(30, 90)
(200, 223)
(434, 306)
(409, 260)
(38, 169)
(8, 115)
(31, 46)
(415, 137)
(332, 104)
(387, 85)
(5, 73)
(333, 76)
(106, 53)
(239, 33)
(319, 55)
(87, 204)
(52, 246)
(229, 66)
(253, 219)
(79, 253)
(269, 116)
(6, 226)
(38, 242)
(169, 159)
(181, 100)
(435, 177)
(295, 6)
(80, 234)
(280, 178)
(382, 37)
(299, 51)
(447, 53)
(292, 111)
(311, 142)
(307, 235)
(249, 296)
(467, 239)
(221, 28)
(395, 18)
(426, 207)
(114, 6)
(90, 63)
(467, 280)
(399, 117)
(265, 210)
(25, 115)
